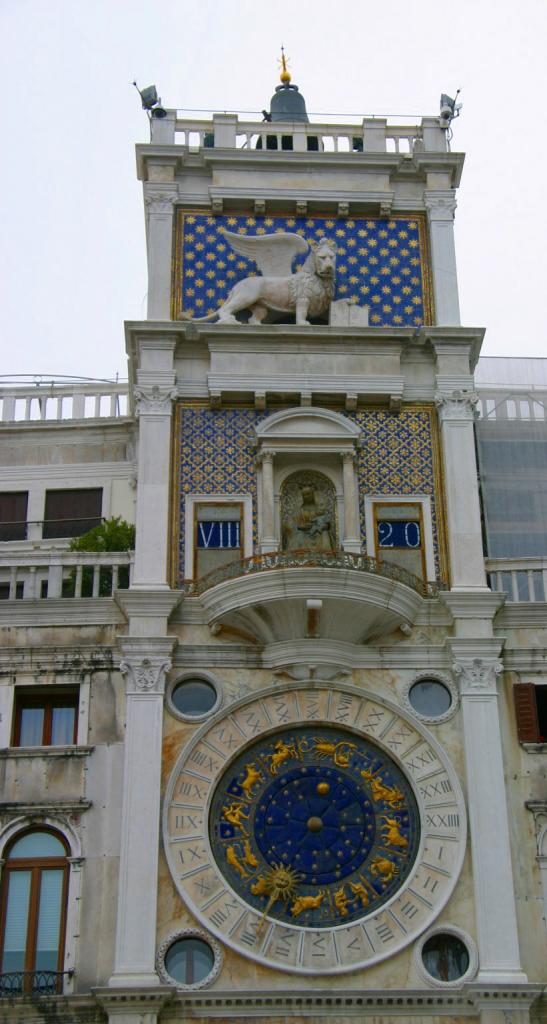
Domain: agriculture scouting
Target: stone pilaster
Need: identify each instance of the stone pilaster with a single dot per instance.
(456, 414)
(154, 409)
(145, 663)
(352, 532)
(477, 667)
(159, 201)
(441, 205)
(268, 539)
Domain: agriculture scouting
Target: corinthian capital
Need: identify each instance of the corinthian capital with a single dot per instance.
(458, 405)
(158, 200)
(153, 400)
(145, 674)
(440, 205)
(477, 676)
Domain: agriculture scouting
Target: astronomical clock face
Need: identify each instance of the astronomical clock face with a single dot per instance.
(315, 830)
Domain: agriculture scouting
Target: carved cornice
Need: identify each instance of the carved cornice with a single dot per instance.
(477, 676)
(151, 400)
(457, 405)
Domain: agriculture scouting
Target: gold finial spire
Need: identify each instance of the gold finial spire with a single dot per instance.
(285, 75)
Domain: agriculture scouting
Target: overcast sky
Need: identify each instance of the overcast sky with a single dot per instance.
(72, 229)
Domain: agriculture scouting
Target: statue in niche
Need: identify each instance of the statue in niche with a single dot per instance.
(308, 513)
(306, 293)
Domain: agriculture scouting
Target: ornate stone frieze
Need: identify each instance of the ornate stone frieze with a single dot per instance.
(458, 405)
(151, 400)
(145, 674)
(477, 676)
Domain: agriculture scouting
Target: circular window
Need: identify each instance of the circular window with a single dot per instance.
(194, 697)
(189, 959)
(430, 698)
(446, 957)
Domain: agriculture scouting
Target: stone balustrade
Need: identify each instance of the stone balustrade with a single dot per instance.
(513, 404)
(228, 131)
(522, 579)
(33, 575)
(51, 401)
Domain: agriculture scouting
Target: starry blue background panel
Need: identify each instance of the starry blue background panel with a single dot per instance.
(216, 455)
(380, 263)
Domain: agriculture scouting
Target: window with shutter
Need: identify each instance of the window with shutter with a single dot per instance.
(72, 513)
(531, 712)
(13, 515)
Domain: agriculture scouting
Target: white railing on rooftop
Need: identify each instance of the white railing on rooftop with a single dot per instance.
(227, 131)
(36, 575)
(47, 402)
(521, 579)
(497, 404)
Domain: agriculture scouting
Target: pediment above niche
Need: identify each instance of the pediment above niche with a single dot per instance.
(293, 429)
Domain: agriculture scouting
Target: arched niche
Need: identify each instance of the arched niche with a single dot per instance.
(308, 441)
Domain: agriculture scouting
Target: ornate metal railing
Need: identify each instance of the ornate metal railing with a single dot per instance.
(35, 983)
(276, 560)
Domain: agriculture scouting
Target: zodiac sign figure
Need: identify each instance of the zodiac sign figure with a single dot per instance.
(251, 778)
(232, 858)
(385, 868)
(260, 887)
(249, 857)
(391, 832)
(360, 893)
(307, 903)
(340, 752)
(307, 293)
(234, 813)
(341, 900)
(391, 795)
(283, 751)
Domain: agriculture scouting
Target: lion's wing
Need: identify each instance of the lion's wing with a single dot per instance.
(273, 254)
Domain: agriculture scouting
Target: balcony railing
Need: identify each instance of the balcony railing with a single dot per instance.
(368, 135)
(34, 575)
(53, 402)
(273, 561)
(35, 983)
(521, 579)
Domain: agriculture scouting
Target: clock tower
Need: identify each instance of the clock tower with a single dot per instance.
(315, 819)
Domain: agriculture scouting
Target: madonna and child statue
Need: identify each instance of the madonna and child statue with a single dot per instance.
(308, 513)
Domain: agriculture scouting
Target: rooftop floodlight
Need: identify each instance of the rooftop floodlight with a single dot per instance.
(450, 109)
(151, 101)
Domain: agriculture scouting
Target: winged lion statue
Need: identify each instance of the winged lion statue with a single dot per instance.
(306, 293)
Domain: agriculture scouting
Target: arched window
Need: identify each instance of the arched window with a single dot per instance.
(33, 912)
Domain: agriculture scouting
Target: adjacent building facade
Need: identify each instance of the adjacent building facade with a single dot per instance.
(285, 759)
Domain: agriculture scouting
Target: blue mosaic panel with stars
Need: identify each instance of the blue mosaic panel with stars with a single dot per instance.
(380, 263)
(314, 824)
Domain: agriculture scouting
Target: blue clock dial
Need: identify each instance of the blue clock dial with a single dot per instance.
(314, 824)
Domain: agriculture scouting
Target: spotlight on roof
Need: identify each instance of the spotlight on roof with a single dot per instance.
(151, 101)
(450, 109)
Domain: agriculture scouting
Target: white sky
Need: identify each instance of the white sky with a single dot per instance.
(72, 244)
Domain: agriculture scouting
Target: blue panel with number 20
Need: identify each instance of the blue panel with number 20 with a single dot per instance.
(398, 533)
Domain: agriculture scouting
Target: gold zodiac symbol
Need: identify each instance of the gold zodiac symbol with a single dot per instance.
(360, 893)
(260, 887)
(391, 832)
(307, 903)
(253, 776)
(384, 867)
(234, 813)
(249, 857)
(390, 794)
(341, 901)
(232, 859)
(283, 751)
(340, 752)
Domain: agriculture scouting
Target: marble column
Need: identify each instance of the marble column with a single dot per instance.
(153, 408)
(268, 540)
(145, 663)
(352, 533)
(159, 201)
(456, 414)
(477, 667)
(440, 205)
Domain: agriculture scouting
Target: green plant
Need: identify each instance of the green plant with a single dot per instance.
(113, 534)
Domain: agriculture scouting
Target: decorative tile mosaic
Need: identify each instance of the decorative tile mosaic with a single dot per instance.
(380, 263)
(215, 454)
